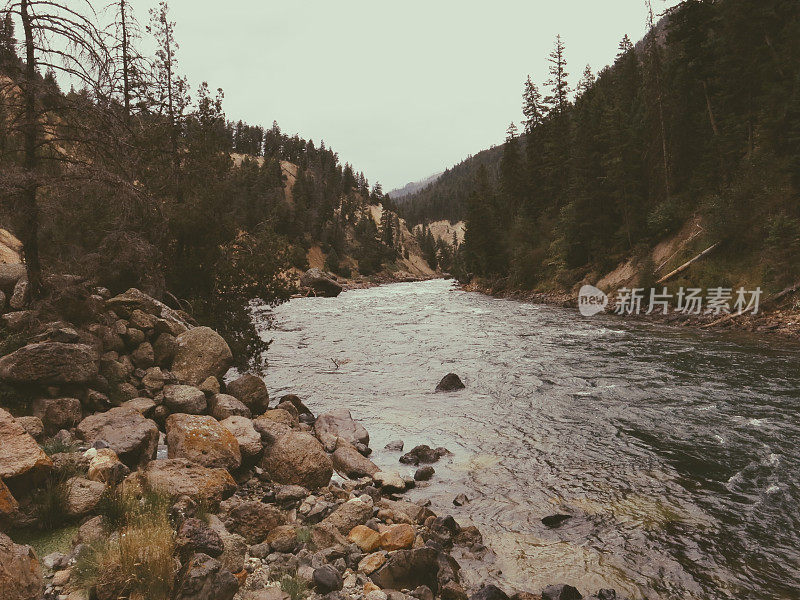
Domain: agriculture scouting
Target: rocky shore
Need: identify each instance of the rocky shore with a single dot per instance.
(779, 317)
(175, 478)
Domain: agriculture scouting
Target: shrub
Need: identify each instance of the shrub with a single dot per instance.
(294, 586)
(137, 561)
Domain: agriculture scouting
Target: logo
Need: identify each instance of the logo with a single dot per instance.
(591, 300)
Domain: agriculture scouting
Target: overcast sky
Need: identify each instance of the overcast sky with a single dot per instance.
(399, 89)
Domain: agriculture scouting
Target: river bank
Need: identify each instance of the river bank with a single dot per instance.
(780, 318)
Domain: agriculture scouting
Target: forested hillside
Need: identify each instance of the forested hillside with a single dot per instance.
(128, 177)
(699, 123)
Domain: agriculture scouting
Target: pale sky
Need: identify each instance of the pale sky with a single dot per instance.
(399, 89)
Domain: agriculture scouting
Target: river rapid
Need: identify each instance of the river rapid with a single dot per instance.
(675, 451)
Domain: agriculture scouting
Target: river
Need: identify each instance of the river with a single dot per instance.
(675, 451)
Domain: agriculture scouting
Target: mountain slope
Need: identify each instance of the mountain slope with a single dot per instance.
(412, 188)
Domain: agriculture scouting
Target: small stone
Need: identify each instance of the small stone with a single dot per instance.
(395, 446)
(424, 473)
(554, 521)
(371, 563)
(391, 482)
(489, 592)
(460, 500)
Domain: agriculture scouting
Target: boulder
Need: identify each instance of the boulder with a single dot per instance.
(8, 504)
(283, 538)
(33, 425)
(10, 274)
(145, 406)
(57, 413)
(297, 458)
(20, 572)
(348, 462)
(126, 303)
(408, 569)
(339, 423)
(202, 440)
(350, 514)
(394, 446)
(235, 546)
(397, 537)
(210, 386)
(222, 406)
(204, 578)
(391, 482)
(46, 363)
(185, 399)
(164, 349)
(372, 562)
(251, 391)
(20, 455)
(424, 473)
(327, 579)
(141, 320)
(253, 520)
(561, 591)
(143, 357)
(320, 283)
(280, 416)
(450, 383)
(179, 477)
(423, 454)
(287, 494)
(270, 430)
(201, 352)
(244, 432)
(489, 592)
(196, 536)
(132, 437)
(106, 467)
(82, 496)
(368, 540)
(325, 536)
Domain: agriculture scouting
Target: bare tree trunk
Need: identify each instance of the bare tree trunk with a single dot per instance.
(126, 86)
(30, 217)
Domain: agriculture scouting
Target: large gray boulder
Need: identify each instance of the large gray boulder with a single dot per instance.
(50, 363)
(126, 431)
(339, 423)
(320, 283)
(297, 458)
(20, 572)
(201, 353)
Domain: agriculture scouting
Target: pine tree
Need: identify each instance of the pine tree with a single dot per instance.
(532, 106)
(558, 99)
(586, 82)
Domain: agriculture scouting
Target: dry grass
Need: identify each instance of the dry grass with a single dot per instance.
(137, 559)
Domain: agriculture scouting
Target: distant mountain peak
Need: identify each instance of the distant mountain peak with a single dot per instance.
(413, 187)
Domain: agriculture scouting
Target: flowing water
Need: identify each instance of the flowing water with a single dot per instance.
(675, 452)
